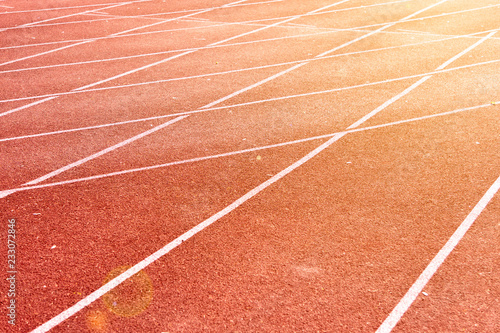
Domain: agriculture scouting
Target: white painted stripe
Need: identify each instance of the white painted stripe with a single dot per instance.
(389, 102)
(273, 99)
(283, 21)
(253, 3)
(270, 78)
(405, 19)
(256, 3)
(247, 23)
(94, 39)
(325, 12)
(104, 151)
(427, 33)
(27, 106)
(329, 31)
(443, 38)
(234, 3)
(31, 24)
(257, 84)
(138, 16)
(5, 193)
(58, 8)
(133, 71)
(421, 81)
(108, 16)
(178, 241)
(45, 52)
(473, 46)
(400, 309)
(343, 88)
(112, 35)
(339, 89)
(170, 58)
(108, 79)
(184, 237)
(417, 287)
(217, 24)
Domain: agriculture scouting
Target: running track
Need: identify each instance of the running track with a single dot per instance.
(268, 165)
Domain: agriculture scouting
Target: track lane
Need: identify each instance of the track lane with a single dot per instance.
(293, 272)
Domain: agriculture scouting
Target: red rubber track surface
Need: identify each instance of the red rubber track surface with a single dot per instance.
(330, 246)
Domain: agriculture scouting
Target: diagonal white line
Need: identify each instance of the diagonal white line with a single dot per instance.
(133, 71)
(417, 287)
(184, 237)
(85, 41)
(330, 31)
(257, 21)
(104, 151)
(108, 16)
(164, 60)
(4, 193)
(400, 309)
(283, 21)
(246, 103)
(214, 24)
(422, 80)
(31, 24)
(72, 165)
(57, 8)
(236, 93)
(234, 3)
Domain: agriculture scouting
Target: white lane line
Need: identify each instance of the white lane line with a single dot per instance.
(214, 24)
(234, 3)
(257, 84)
(470, 48)
(255, 3)
(430, 34)
(131, 71)
(171, 51)
(247, 103)
(184, 237)
(117, 34)
(425, 78)
(59, 8)
(283, 21)
(33, 24)
(328, 12)
(247, 23)
(104, 151)
(98, 12)
(149, 16)
(188, 52)
(163, 60)
(236, 93)
(108, 79)
(27, 106)
(178, 241)
(56, 172)
(145, 17)
(4, 193)
(72, 165)
(442, 38)
(417, 287)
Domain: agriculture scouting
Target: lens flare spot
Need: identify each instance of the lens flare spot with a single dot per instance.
(96, 321)
(131, 297)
